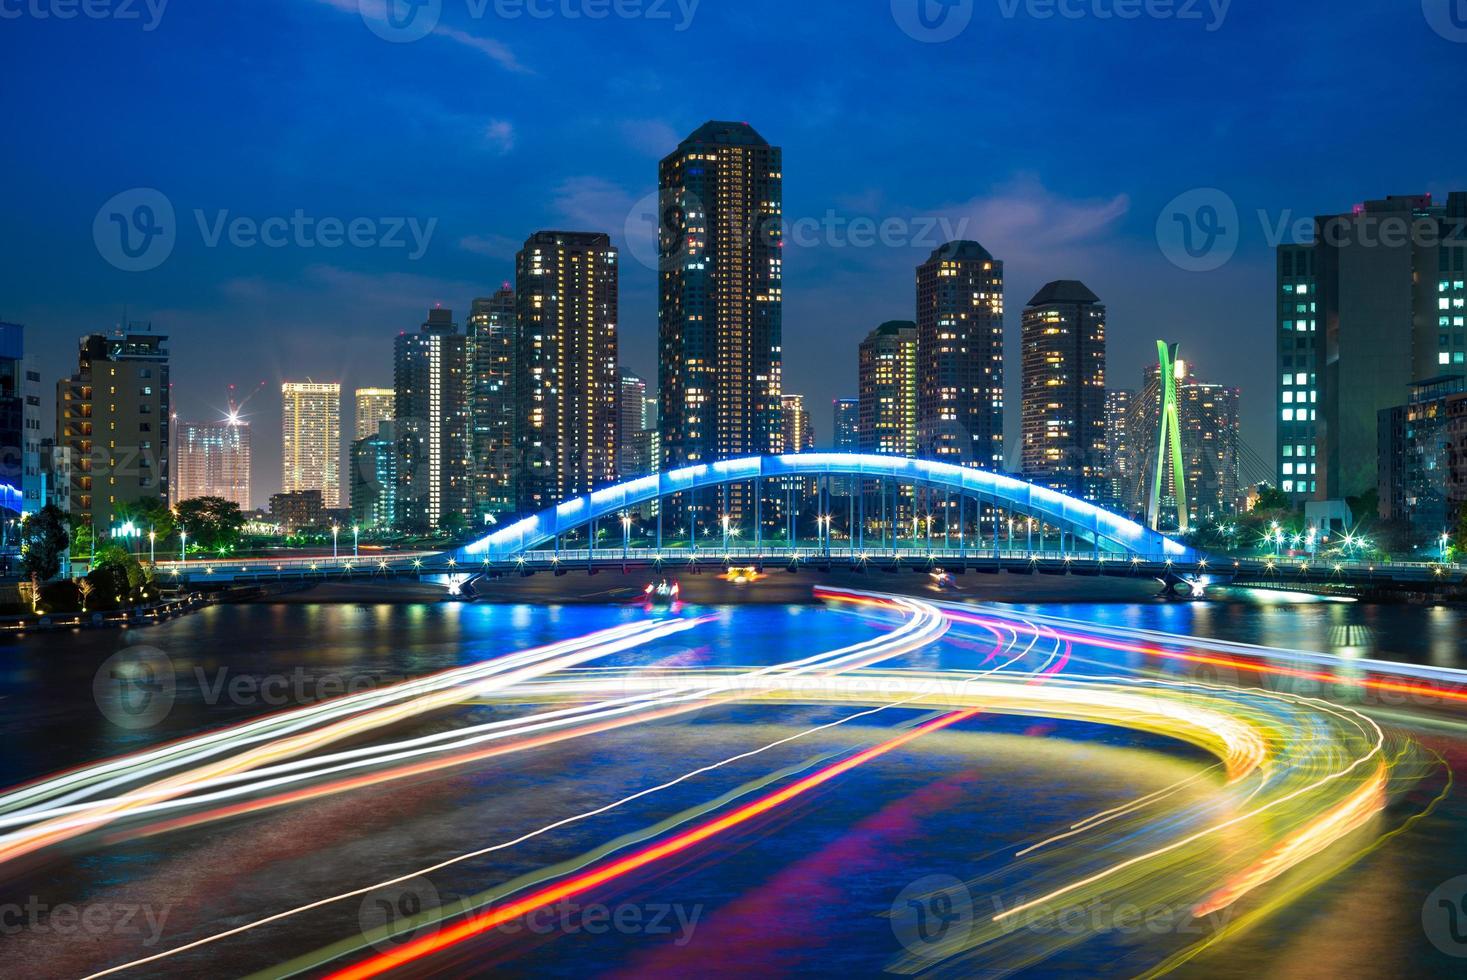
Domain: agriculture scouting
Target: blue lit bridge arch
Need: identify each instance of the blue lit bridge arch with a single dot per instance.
(1092, 532)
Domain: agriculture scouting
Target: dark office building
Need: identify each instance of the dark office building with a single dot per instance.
(491, 377)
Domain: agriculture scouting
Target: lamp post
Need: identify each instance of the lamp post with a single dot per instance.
(152, 546)
(725, 533)
(356, 541)
(626, 536)
(335, 536)
(183, 545)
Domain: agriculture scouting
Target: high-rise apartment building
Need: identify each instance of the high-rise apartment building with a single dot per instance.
(960, 356)
(374, 406)
(311, 439)
(721, 301)
(887, 383)
(430, 371)
(1121, 452)
(568, 386)
(845, 422)
(797, 432)
(491, 353)
(634, 448)
(1063, 402)
(374, 479)
(1376, 301)
(113, 420)
(213, 460)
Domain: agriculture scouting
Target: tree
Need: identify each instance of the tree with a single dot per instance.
(44, 539)
(1462, 528)
(148, 514)
(1272, 499)
(212, 522)
(116, 575)
(454, 525)
(85, 588)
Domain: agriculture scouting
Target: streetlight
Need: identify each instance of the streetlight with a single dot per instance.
(152, 546)
(626, 535)
(335, 534)
(183, 545)
(356, 541)
(725, 533)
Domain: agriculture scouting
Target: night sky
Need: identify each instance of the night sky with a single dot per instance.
(1058, 142)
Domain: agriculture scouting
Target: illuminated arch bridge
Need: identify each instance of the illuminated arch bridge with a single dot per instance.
(960, 510)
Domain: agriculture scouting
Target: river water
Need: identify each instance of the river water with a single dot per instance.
(809, 890)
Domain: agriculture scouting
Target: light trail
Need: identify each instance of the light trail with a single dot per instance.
(1299, 776)
(585, 882)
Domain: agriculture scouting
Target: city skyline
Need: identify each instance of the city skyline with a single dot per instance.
(1101, 224)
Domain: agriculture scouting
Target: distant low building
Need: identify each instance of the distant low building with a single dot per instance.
(298, 510)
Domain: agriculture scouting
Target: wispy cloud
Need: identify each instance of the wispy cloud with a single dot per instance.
(375, 11)
(499, 136)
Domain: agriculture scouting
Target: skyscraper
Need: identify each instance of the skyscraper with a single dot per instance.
(432, 423)
(1376, 301)
(797, 429)
(374, 406)
(846, 425)
(568, 388)
(888, 390)
(113, 421)
(311, 439)
(214, 461)
(721, 301)
(960, 356)
(1298, 393)
(374, 479)
(634, 447)
(1121, 450)
(491, 353)
(1063, 401)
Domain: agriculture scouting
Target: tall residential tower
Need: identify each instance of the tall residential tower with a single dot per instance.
(721, 300)
(568, 386)
(960, 356)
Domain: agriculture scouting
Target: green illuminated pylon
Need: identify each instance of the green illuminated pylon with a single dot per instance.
(1169, 433)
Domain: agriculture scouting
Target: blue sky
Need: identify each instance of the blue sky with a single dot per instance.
(1058, 142)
